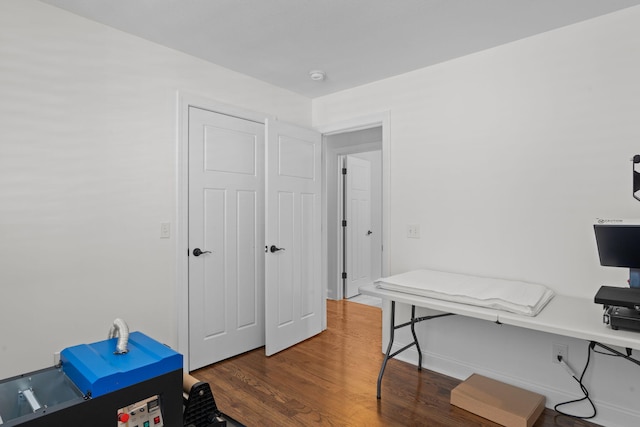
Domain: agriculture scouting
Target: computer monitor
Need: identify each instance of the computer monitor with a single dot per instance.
(618, 244)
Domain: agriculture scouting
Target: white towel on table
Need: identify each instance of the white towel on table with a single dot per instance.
(508, 295)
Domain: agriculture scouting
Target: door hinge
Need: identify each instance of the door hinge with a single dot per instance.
(344, 275)
(344, 171)
(344, 222)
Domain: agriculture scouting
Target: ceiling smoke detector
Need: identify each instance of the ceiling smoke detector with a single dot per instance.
(317, 75)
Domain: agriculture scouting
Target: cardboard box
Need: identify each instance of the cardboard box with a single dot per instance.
(499, 402)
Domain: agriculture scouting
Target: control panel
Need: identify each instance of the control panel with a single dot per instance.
(146, 413)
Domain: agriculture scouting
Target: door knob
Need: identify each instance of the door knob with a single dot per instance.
(198, 252)
(273, 249)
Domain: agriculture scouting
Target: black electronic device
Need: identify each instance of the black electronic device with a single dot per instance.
(618, 244)
(622, 318)
(619, 297)
(621, 307)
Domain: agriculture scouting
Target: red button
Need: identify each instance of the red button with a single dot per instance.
(156, 420)
(123, 418)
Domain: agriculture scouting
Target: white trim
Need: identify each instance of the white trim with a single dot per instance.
(187, 100)
(340, 261)
(382, 119)
(608, 414)
(386, 193)
(354, 124)
(324, 277)
(184, 101)
(182, 227)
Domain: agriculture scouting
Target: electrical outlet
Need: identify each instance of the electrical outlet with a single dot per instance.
(413, 231)
(560, 350)
(56, 358)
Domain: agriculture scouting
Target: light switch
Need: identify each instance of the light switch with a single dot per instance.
(165, 230)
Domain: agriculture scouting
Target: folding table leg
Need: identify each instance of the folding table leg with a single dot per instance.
(415, 338)
(392, 333)
(391, 337)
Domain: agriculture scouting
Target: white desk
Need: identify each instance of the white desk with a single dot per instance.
(572, 317)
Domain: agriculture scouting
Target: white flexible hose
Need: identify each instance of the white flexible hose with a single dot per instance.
(120, 330)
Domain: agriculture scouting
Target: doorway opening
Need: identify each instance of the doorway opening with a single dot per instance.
(361, 236)
(354, 219)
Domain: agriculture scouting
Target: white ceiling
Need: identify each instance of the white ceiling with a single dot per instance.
(353, 41)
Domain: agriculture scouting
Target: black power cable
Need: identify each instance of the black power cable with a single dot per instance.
(611, 352)
(582, 387)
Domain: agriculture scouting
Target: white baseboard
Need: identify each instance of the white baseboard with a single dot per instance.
(609, 414)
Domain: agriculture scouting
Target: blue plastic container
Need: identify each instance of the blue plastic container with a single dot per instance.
(96, 370)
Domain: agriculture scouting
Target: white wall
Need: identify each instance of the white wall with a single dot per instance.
(87, 174)
(505, 158)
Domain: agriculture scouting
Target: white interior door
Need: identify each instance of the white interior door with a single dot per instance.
(358, 231)
(293, 288)
(226, 214)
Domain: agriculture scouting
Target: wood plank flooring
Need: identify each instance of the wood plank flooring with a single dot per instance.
(330, 380)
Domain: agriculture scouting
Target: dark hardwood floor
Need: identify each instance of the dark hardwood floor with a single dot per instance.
(330, 380)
